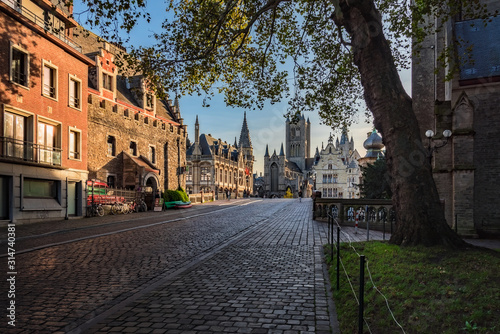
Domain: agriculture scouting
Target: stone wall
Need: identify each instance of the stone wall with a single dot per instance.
(125, 124)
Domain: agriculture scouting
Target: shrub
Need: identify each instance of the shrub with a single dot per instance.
(175, 195)
(288, 194)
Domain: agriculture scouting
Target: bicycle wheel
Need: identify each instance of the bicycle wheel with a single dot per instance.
(100, 210)
(125, 208)
(115, 209)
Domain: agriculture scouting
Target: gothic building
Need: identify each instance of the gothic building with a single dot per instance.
(214, 165)
(337, 170)
(292, 171)
(136, 140)
(466, 169)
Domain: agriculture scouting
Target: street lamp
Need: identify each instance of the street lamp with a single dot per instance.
(431, 149)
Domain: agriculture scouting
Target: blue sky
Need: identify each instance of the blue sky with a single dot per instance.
(266, 126)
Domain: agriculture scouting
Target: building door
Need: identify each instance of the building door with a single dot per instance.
(71, 198)
(4, 197)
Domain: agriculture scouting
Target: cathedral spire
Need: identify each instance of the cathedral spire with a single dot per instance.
(235, 143)
(281, 151)
(196, 130)
(267, 151)
(245, 134)
(344, 138)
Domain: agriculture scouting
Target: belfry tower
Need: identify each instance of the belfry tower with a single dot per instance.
(298, 141)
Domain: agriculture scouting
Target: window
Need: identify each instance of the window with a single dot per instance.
(36, 188)
(205, 174)
(49, 81)
(111, 146)
(74, 144)
(47, 140)
(149, 101)
(111, 180)
(19, 67)
(133, 148)
(14, 132)
(107, 81)
(75, 93)
(189, 174)
(152, 155)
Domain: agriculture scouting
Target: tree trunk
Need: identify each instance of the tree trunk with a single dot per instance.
(419, 213)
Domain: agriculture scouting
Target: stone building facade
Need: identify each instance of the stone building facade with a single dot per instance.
(337, 170)
(43, 117)
(216, 166)
(136, 141)
(466, 169)
(292, 171)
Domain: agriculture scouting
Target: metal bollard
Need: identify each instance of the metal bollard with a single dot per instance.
(361, 293)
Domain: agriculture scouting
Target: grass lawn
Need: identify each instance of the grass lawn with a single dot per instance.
(429, 290)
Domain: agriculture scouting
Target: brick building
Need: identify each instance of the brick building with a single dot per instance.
(136, 141)
(466, 169)
(43, 117)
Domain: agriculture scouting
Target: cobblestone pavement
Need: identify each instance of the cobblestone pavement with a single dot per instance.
(247, 266)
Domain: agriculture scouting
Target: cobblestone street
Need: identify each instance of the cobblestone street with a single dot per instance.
(249, 266)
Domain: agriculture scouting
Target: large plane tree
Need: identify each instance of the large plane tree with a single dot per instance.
(336, 57)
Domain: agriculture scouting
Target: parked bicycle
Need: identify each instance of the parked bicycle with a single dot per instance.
(140, 205)
(95, 209)
(119, 207)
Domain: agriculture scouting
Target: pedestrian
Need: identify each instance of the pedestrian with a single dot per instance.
(300, 196)
(229, 195)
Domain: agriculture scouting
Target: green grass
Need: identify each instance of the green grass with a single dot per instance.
(430, 290)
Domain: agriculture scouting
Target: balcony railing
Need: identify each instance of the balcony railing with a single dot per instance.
(14, 149)
(15, 4)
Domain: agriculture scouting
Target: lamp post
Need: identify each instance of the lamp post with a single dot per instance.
(433, 148)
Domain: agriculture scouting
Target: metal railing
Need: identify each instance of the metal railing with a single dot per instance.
(16, 149)
(41, 22)
(356, 212)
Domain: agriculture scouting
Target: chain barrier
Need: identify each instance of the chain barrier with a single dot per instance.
(365, 264)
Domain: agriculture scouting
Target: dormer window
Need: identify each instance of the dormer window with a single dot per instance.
(107, 81)
(149, 101)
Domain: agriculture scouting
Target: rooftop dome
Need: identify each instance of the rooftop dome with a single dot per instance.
(373, 145)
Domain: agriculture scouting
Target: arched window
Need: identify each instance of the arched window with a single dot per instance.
(274, 177)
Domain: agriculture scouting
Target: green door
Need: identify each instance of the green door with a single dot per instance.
(71, 198)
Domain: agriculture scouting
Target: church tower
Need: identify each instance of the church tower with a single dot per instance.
(246, 149)
(298, 141)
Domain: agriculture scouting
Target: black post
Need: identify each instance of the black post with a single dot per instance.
(456, 223)
(383, 225)
(361, 292)
(331, 238)
(328, 236)
(338, 258)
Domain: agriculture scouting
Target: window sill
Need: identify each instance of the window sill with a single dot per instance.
(41, 204)
(75, 108)
(19, 85)
(50, 97)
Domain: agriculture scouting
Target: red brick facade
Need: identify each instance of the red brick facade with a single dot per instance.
(35, 151)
